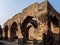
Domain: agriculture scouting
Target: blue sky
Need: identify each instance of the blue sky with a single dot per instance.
(8, 8)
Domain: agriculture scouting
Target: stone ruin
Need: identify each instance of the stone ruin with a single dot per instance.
(33, 22)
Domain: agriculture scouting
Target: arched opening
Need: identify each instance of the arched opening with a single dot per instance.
(6, 32)
(34, 23)
(50, 34)
(25, 29)
(55, 21)
(13, 30)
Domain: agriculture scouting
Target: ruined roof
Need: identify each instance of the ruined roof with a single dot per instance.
(46, 5)
(49, 6)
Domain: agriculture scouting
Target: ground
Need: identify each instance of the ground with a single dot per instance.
(7, 43)
(3, 42)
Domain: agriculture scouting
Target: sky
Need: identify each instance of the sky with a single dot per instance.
(9, 8)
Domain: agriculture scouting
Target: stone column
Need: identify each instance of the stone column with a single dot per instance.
(20, 37)
(3, 34)
(35, 42)
(9, 35)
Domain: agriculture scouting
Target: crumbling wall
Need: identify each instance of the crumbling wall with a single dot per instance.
(40, 12)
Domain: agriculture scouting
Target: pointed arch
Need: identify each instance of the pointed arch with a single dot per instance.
(25, 29)
(26, 21)
(13, 29)
(14, 26)
(55, 21)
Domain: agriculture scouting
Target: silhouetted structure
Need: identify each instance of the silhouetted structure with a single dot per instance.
(1, 31)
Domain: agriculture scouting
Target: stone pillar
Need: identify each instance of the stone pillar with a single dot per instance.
(16, 37)
(9, 35)
(35, 42)
(20, 37)
(3, 34)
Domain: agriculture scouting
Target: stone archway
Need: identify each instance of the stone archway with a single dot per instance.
(55, 21)
(52, 19)
(13, 30)
(6, 32)
(50, 33)
(32, 25)
(25, 29)
(55, 28)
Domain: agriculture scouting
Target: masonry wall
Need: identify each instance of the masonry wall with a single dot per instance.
(38, 11)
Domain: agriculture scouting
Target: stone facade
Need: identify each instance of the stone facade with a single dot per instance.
(38, 11)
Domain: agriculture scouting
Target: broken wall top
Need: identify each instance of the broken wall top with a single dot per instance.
(36, 10)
